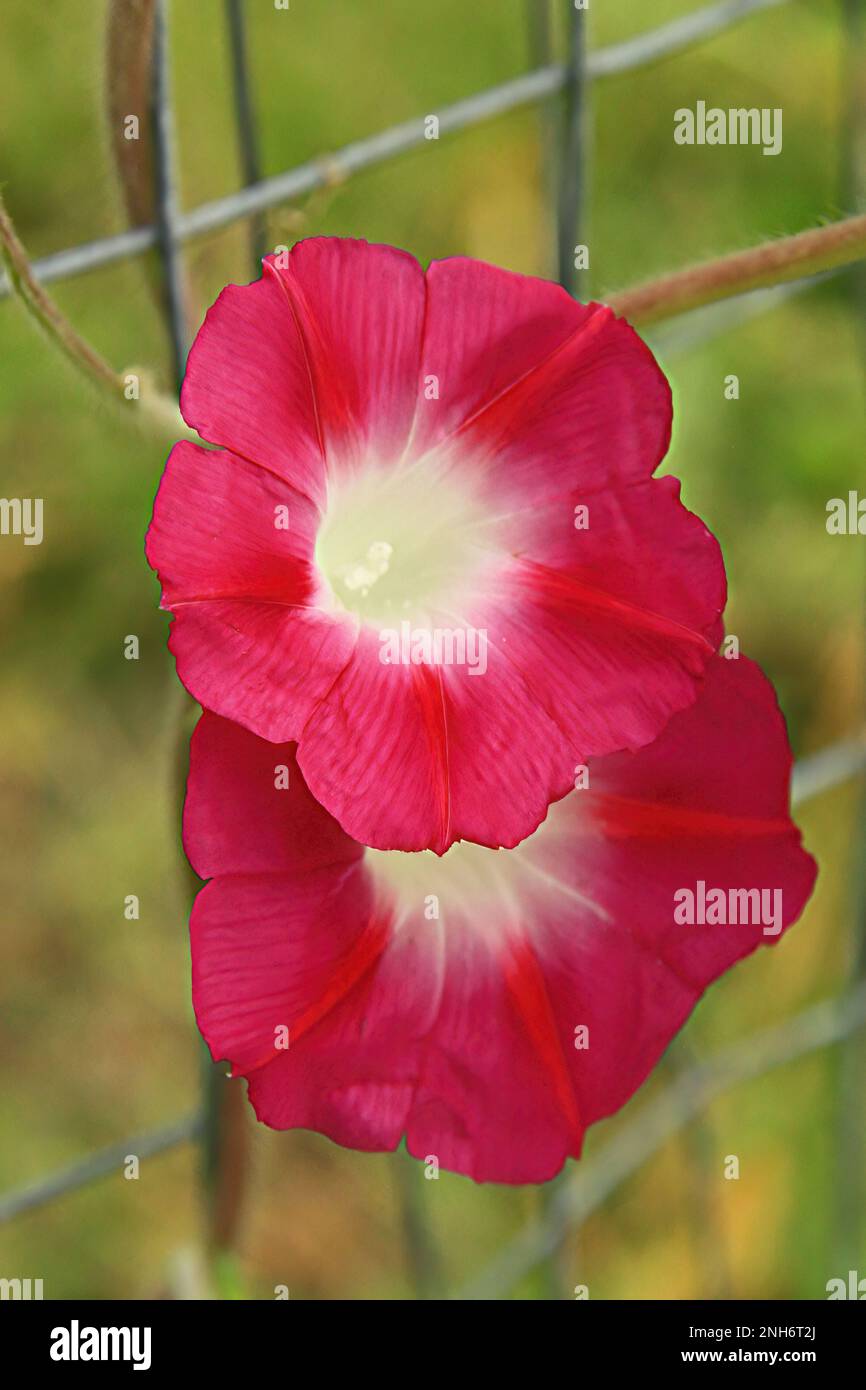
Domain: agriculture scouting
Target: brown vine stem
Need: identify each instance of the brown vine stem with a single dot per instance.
(129, 28)
(759, 267)
(150, 407)
(48, 316)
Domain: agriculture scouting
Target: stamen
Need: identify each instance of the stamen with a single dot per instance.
(432, 563)
(364, 576)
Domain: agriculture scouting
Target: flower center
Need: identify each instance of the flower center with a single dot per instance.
(402, 545)
(497, 893)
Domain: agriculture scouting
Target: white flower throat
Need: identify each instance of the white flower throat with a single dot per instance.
(404, 544)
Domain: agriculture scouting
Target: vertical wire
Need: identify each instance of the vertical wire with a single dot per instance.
(223, 1137)
(540, 46)
(166, 191)
(571, 212)
(246, 125)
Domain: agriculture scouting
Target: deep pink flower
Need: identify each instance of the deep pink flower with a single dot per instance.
(462, 1030)
(404, 454)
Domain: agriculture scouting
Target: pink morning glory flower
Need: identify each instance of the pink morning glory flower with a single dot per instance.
(487, 1004)
(430, 549)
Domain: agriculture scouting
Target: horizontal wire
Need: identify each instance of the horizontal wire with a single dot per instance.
(100, 1164)
(696, 327)
(672, 38)
(329, 169)
(819, 772)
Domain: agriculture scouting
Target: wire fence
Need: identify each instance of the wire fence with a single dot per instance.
(326, 169)
(692, 1089)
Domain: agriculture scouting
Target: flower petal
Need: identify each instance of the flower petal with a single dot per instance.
(244, 815)
(540, 393)
(232, 545)
(640, 546)
(247, 385)
(359, 310)
(415, 757)
(611, 648)
(264, 664)
(223, 527)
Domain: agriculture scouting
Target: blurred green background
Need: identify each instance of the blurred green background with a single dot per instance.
(98, 1038)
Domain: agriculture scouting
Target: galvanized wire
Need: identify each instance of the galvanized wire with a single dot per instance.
(572, 182)
(663, 42)
(245, 121)
(100, 1164)
(168, 239)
